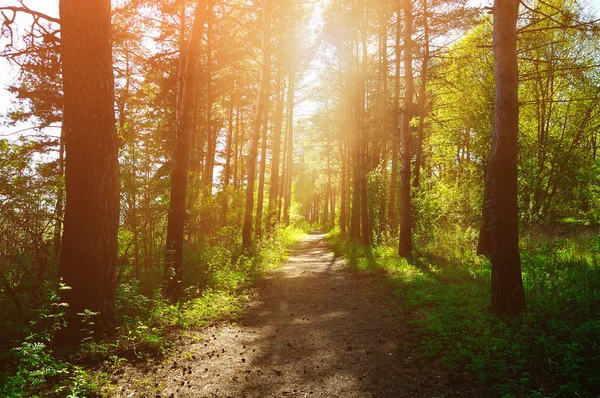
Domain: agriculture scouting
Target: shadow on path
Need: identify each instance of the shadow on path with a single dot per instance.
(315, 329)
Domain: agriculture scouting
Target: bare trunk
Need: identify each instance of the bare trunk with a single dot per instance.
(363, 138)
(287, 202)
(422, 98)
(211, 132)
(258, 119)
(354, 141)
(263, 157)
(88, 254)
(242, 159)
(181, 159)
(332, 206)
(392, 222)
(328, 193)
(507, 283)
(237, 156)
(405, 245)
(274, 185)
(227, 171)
(228, 145)
(343, 144)
(355, 162)
(383, 134)
(60, 198)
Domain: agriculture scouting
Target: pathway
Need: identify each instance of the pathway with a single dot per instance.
(315, 329)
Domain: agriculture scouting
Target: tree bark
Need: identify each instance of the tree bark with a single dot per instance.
(181, 159)
(422, 98)
(263, 153)
(392, 222)
(258, 119)
(405, 245)
(355, 162)
(236, 152)
(287, 202)
(227, 168)
(382, 137)
(228, 145)
(327, 225)
(507, 284)
(89, 246)
(60, 198)
(363, 137)
(277, 128)
(211, 132)
(342, 145)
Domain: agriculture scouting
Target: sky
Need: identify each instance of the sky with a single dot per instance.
(50, 7)
(8, 73)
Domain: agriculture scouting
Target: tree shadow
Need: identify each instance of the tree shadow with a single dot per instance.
(317, 331)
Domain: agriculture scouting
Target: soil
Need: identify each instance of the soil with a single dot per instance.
(314, 329)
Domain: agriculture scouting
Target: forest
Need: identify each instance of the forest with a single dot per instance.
(413, 183)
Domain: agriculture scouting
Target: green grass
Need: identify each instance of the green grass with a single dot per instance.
(146, 320)
(553, 349)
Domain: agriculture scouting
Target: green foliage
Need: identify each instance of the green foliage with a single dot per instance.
(218, 294)
(550, 350)
(144, 320)
(37, 368)
(212, 306)
(130, 304)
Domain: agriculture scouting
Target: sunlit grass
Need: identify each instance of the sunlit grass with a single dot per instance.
(551, 349)
(146, 320)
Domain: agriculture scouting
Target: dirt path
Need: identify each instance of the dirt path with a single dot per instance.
(314, 330)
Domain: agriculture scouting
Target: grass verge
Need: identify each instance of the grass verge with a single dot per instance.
(146, 322)
(553, 349)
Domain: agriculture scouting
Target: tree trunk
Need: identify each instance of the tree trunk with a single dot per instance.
(181, 63)
(227, 169)
(228, 145)
(355, 162)
(263, 154)
(89, 246)
(332, 207)
(423, 98)
(283, 176)
(507, 283)
(237, 156)
(363, 138)
(60, 198)
(405, 245)
(211, 132)
(392, 222)
(242, 159)
(342, 145)
(181, 159)
(383, 125)
(326, 223)
(258, 119)
(287, 202)
(277, 127)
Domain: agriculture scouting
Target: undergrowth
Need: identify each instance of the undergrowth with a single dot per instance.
(553, 349)
(146, 321)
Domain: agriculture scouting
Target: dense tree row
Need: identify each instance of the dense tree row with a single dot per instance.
(202, 131)
(422, 104)
(430, 118)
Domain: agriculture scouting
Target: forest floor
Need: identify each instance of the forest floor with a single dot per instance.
(314, 328)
